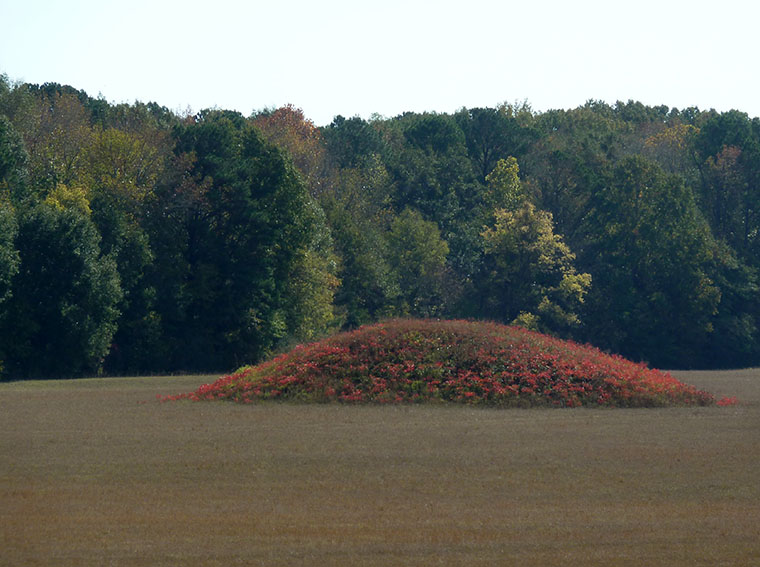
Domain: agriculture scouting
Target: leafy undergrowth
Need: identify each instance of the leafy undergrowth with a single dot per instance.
(452, 361)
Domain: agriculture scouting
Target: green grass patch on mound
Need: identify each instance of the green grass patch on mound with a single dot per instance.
(409, 360)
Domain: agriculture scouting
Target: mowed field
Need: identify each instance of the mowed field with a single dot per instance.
(97, 472)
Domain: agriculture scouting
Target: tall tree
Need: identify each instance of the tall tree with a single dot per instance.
(13, 163)
(650, 252)
(12, 179)
(121, 171)
(350, 142)
(56, 131)
(239, 217)
(571, 161)
(358, 209)
(291, 131)
(530, 277)
(492, 134)
(433, 174)
(62, 313)
(417, 253)
(8, 254)
(504, 190)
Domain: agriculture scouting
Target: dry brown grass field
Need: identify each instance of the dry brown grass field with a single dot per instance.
(97, 472)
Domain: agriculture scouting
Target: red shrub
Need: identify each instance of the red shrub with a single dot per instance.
(459, 361)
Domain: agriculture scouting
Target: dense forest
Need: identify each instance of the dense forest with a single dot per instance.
(134, 239)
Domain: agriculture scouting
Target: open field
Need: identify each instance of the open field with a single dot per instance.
(96, 472)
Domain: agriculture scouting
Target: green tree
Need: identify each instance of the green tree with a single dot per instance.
(121, 170)
(504, 190)
(62, 313)
(651, 255)
(13, 163)
(727, 155)
(433, 174)
(417, 253)
(350, 142)
(357, 207)
(734, 341)
(492, 134)
(725, 197)
(140, 117)
(9, 259)
(431, 170)
(529, 273)
(312, 281)
(229, 232)
(12, 185)
(732, 128)
(569, 165)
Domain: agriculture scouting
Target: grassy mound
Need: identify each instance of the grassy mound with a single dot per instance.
(452, 361)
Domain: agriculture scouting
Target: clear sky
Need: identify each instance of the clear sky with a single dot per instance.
(352, 57)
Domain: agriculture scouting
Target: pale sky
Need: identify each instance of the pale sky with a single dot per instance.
(351, 57)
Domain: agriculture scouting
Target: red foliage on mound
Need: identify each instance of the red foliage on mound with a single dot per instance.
(458, 361)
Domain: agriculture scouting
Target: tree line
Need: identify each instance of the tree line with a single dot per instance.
(134, 239)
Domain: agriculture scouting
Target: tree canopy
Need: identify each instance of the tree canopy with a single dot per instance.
(133, 239)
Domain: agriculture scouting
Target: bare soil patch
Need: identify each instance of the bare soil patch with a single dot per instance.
(96, 472)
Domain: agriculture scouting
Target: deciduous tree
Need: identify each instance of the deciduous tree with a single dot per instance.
(530, 277)
(417, 253)
(650, 254)
(62, 313)
(240, 220)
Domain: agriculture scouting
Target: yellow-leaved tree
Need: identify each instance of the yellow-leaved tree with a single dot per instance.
(529, 278)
